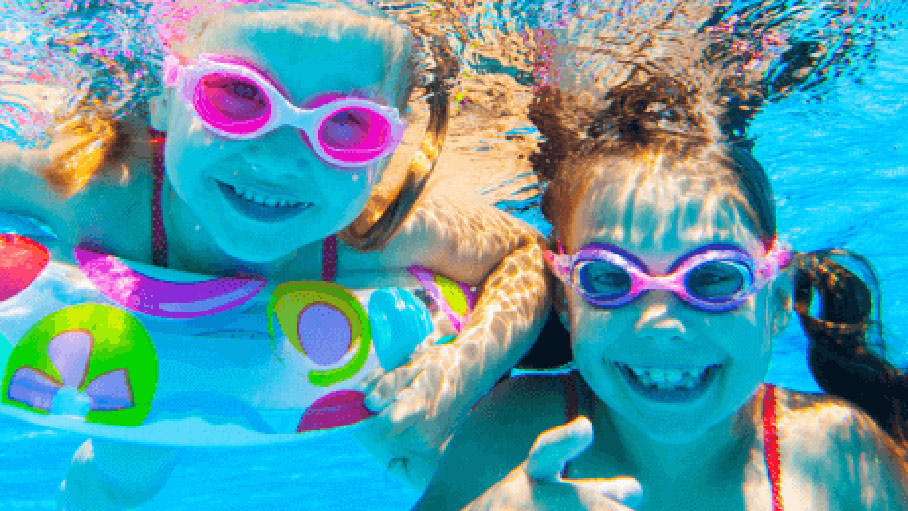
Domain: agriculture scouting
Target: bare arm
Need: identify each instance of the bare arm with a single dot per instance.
(838, 454)
(476, 243)
(421, 403)
(871, 465)
(479, 244)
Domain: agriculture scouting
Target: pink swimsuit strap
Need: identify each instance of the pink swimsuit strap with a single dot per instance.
(159, 238)
(770, 437)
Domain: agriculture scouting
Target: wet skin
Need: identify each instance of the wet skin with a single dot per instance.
(278, 165)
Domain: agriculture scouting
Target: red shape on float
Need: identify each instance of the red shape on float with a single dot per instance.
(21, 260)
(341, 408)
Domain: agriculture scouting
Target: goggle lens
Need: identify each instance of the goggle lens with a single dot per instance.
(354, 134)
(233, 104)
(603, 280)
(717, 281)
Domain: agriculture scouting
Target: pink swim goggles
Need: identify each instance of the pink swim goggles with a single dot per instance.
(236, 101)
(712, 278)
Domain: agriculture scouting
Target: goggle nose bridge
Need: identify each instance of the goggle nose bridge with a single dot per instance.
(641, 282)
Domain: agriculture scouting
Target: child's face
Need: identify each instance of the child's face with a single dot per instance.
(205, 169)
(658, 331)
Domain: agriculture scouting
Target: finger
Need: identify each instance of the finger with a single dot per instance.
(370, 381)
(387, 388)
(555, 447)
(623, 490)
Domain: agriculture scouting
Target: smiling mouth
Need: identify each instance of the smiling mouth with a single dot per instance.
(260, 206)
(669, 385)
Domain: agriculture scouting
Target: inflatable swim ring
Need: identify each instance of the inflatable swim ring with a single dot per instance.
(131, 352)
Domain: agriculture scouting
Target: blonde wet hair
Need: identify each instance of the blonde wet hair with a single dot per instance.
(95, 142)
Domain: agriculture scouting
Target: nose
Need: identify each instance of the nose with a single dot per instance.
(284, 141)
(660, 320)
(282, 149)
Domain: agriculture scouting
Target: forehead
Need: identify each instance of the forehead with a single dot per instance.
(660, 218)
(302, 64)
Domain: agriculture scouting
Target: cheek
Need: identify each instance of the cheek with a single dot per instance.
(593, 331)
(345, 187)
(345, 194)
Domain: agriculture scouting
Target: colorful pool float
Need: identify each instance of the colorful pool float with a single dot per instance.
(120, 350)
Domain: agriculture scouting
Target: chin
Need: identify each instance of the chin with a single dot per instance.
(256, 255)
(674, 434)
(254, 247)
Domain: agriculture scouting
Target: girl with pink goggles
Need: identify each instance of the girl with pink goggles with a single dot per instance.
(234, 100)
(712, 278)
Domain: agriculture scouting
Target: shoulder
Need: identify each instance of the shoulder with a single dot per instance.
(110, 213)
(495, 438)
(830, 441)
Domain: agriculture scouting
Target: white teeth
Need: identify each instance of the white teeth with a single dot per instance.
(669, 378)
(258, 198)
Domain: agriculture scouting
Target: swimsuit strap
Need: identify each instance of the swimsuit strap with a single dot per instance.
(159, 238)
(771, 443)
(329, 258)
(571, 402)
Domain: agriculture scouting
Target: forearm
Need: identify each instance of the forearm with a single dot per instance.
(109, 476)
(506, 320)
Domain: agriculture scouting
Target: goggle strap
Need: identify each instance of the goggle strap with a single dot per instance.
(172, 71)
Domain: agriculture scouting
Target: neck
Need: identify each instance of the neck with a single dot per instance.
(722, 449)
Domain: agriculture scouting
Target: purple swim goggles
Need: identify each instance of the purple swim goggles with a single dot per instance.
(712, 278)
(234, 100)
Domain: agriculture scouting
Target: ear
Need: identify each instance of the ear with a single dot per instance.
(157, 112)
(780, 301)
(559, 295)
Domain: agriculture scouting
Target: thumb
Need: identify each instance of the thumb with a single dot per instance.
(554, 448)
(623, 490)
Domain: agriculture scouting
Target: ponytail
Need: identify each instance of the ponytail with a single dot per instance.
(841, 353)
(99, 140)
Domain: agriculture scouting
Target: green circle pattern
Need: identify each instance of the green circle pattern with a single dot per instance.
(120, 341)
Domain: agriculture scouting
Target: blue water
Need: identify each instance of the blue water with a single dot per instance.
(839, 167)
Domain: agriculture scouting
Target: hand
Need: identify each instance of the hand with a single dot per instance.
(418, 406)
(106, 476)
(537, 483)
